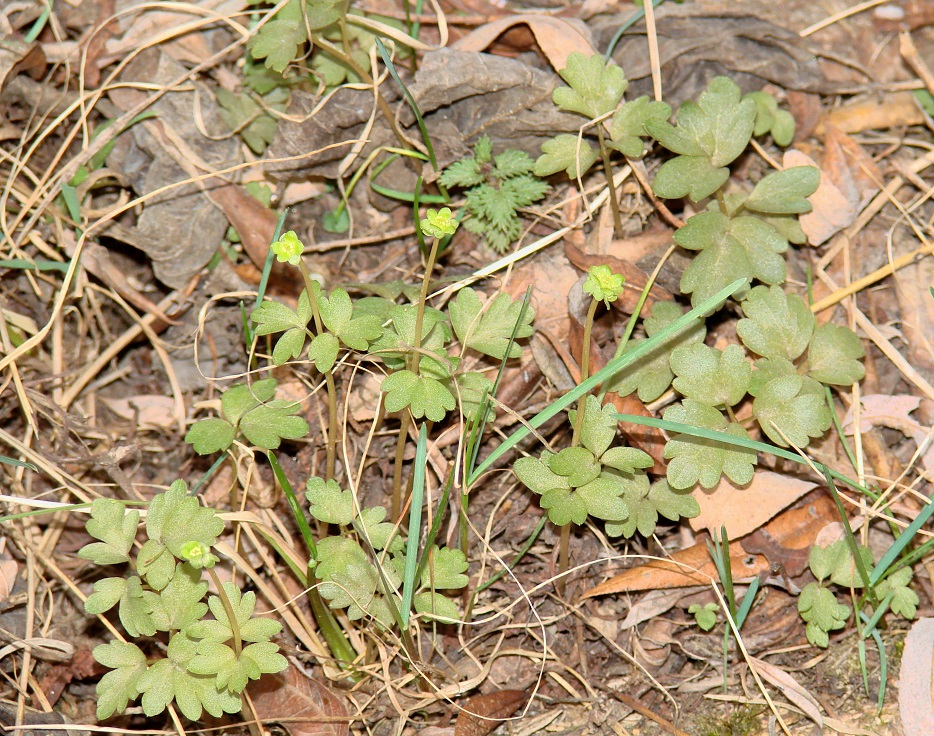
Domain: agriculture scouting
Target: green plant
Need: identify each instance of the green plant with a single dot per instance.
(497, 188)
(207, 662)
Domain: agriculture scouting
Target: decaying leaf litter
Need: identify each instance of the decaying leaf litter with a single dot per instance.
(122, 324)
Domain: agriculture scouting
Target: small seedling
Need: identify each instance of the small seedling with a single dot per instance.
(497, 188)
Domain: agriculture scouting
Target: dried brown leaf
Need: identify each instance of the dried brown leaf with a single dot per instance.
(482, 714)
(304, 706)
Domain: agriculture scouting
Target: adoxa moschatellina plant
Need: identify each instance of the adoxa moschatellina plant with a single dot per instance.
(775, 380)
(364, 566)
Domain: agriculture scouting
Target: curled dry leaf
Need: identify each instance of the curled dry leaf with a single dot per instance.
(556, 37)
(304, 706)
(482, 714)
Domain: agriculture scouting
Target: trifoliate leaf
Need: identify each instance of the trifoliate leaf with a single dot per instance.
(328, 503)
(425, 397)
(778, 325)
(566, 152)
(273, 316)
(488, 330)
(179, 603)
(208, 436)
(118, 687)
(577, 464)
(731, 249)
(595, 86)
(710, 134)
(835, 562)
(785, 192)
(627, 128)
(244, 115)
(651, 375)
(232, 672)
(338, 316)
(445, 569)
(699, 460)
(116, 527)
(267, 425)
(435, 606)
(242, 606)
(278, 41)
(904, 601)
(834, 356)
(107, 592)
(710, 376)
(348, 578)
(823, 614)
(793, 406)
(175, 518)
(705, 616)
(238, 400)
(397, 341)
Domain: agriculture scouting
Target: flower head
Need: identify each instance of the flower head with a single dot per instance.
(604, 285)
(288, 248)
(438, 223)
(198, 555)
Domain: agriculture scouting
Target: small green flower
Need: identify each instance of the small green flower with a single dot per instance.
(288, 248)
(198, 555)
(604, 285)
(437, 224)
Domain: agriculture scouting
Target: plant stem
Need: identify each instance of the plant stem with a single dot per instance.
(563, 557)
(396, 506)
(608, 170)
(332, 437)
(228, 609)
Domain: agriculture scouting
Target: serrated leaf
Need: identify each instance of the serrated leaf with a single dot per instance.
(278, 41)
(488, 329)
(425, 397)
(627, 128)
(521, 191)
(823, 614)
(208, 436)
(785, 192)
(328, 503)
(710, 376)
(651, 375)
(116, 527)
(834, 356)
(792, 407)
(464, 173)
(267, 425)
(118, 687)
(492, 205)
(445, 569)
(777, 325)
(512, 163)
(731, 249)
(698, 460)
(595, 86)
(565, 152)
